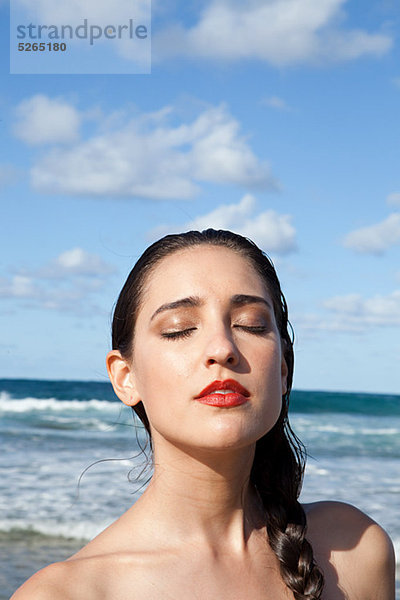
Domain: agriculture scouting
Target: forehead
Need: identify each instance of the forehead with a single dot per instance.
(203, 270)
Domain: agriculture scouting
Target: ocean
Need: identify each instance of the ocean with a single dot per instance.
(71, 462)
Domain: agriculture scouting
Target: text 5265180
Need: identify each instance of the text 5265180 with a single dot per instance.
(42, 47)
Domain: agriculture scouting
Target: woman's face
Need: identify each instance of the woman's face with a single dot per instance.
(205, 317)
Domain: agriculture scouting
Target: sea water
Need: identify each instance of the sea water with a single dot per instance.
(51, 432)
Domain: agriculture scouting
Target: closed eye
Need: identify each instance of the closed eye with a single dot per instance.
(184, 333)
(256, 329)
(175, 335)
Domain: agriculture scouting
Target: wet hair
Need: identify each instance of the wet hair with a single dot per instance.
(279, 461)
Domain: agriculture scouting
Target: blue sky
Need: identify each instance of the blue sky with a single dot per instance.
(278, 119)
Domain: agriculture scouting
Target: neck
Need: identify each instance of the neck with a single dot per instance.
(208, 490)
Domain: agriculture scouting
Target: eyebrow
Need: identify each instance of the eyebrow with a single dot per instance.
(243, 299)
(195, 302)
(191, 302)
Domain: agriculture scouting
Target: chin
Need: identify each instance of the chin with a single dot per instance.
(224, 436)
(227, 431)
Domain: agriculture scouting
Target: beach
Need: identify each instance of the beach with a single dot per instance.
(51, 432)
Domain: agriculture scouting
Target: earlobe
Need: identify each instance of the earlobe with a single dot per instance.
(120, 374)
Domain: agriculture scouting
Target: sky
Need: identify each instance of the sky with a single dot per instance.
(278, 119)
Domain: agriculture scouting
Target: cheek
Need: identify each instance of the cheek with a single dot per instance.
(269, 382)
(160, 371)
(268, 363)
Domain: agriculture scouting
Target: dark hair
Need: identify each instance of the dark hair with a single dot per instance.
(279, 461)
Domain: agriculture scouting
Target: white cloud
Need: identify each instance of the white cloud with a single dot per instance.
(376, 311)
(393, 199)
(375, 239)
(281, 32)
(350, 45)
(225, 216)
(150, 156)
(274, 233)
(43, 120)
(76, 276)
(18, 286)
(76, 262)
(312, 325)
(352, 314)
(276, 102)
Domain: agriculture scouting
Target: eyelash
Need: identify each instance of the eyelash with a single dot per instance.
(176, 335)
(258, 330)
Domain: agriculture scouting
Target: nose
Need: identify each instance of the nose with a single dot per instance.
(221, 349)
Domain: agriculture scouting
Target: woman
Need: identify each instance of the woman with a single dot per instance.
(202, 352)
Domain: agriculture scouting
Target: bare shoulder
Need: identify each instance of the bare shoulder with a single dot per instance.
(90, 577)
(49, 583)
(354, 546)
(345, 527)
(93, 575)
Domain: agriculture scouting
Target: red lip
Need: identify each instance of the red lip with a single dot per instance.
(209, 395)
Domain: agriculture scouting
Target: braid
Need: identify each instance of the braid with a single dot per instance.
(298, 569)
(277, 475)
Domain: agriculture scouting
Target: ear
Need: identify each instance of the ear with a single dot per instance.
(121, 376)
(284, 375)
